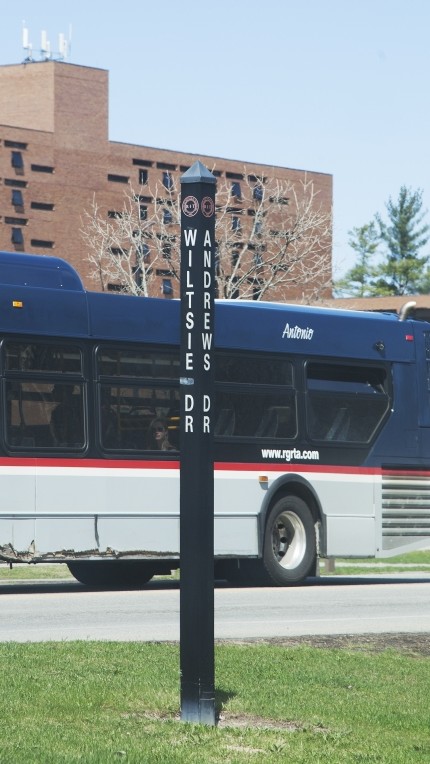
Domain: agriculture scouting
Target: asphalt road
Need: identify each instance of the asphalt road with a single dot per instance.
(40, 611)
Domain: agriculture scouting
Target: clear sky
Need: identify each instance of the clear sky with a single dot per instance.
(334, 86)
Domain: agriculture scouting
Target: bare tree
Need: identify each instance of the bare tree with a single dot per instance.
(124, 245)
(273, 240)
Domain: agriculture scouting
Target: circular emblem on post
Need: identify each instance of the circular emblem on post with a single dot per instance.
(208, 206)
(190, 206)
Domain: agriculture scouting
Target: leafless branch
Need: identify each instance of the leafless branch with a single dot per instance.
(273, 240)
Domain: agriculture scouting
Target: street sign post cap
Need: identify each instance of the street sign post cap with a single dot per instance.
(198, 173)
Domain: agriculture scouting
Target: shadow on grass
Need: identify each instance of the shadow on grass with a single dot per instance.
(221, 699)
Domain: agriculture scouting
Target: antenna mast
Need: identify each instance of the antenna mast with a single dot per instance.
(45, 53)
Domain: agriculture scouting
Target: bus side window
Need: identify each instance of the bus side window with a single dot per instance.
(67, 421)
(30, 408)
(225, 422)
(340, 425)
(276, 423)
(345, 403)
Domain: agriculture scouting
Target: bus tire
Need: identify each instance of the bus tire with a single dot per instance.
(111, 574)
(289, 549)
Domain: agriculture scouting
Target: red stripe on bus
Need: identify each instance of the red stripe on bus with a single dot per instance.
(88, 463)
(296, 467)
(158, 464)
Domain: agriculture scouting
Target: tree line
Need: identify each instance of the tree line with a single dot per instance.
(271, 238)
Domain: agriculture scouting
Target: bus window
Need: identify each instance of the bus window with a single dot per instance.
(67, 418)
(344, 402)
(127, 415)
(256, 414)
(43, 415)
(137, 363)
(38, 357)
(253, 369)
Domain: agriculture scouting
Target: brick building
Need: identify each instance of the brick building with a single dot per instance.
(55, 155)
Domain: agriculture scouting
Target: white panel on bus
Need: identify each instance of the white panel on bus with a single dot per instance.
(55, 535)
(236, 536)
(17, 491)
(350, 536)
(18, 532)
(140, 535)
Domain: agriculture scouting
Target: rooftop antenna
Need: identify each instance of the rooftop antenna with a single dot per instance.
(45, 52)
(26, 44)
(45, 46)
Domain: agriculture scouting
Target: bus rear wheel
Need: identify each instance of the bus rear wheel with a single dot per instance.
(289, 550)
(111, 574)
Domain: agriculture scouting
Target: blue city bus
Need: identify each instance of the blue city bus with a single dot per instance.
(321, 428)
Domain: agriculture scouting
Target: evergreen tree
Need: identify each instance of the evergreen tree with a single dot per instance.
(396, 243)
(357, 281)
(403, 269)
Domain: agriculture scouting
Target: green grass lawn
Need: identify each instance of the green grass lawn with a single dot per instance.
(104, 702)
(408, 562)
(23, 571)
(97, 703)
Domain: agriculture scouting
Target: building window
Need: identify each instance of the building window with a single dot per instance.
(17, 198)
(16, 160)
(234, 175)
(42, 244)
(143, 162)
(17, 236)
(142, 251)
(256, 290)
(258, 226)
(167, 180)
(143, 212)
(166, 166)
(235, 223)
(235, 258)
(42, 168)
(15, 221)
(143, 177)
(236, 190)
(235, 290)
(167, 288)
(280, 199)
(167, 250)
(138, 276)
(47, 206)
(15, 145)
(167, 217)
(15, 183)
(257, 192)
(117, 178)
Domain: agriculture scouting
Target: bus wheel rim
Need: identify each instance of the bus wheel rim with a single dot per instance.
(288, 540)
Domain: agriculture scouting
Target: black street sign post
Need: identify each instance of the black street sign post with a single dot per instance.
(197, 479)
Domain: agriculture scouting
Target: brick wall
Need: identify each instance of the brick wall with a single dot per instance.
(54, 150)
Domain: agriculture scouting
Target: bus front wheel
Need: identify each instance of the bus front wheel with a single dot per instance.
(289, 551)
